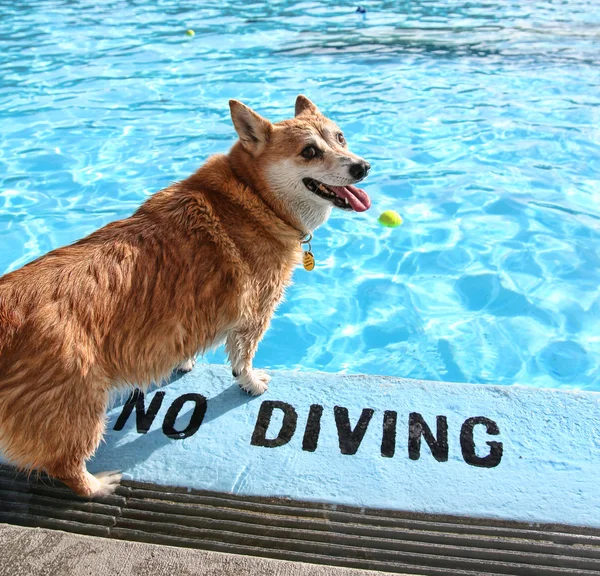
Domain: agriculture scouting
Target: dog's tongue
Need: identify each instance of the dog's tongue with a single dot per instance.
(358, 199)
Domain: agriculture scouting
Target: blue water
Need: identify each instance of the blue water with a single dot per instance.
(481, 121)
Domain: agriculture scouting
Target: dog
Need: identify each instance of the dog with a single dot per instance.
(200, 263)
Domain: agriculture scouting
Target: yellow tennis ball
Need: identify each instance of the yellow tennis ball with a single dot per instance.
(190, 32)
(390, 219)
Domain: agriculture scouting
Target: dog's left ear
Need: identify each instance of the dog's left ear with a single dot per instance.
(304, 105)
(254, 130)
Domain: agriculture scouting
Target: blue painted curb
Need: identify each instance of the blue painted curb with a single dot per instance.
(511, 453)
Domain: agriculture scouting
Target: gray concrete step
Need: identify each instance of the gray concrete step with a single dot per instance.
(43, 552)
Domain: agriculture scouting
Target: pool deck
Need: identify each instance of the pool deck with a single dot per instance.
(356, 472)
(60, 552)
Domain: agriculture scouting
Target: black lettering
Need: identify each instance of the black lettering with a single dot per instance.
(288, 426)
(195, 421)
(417, 427)
(388, 442)
(350, 439)
(313, 428)
(467, 443)
(143, 418)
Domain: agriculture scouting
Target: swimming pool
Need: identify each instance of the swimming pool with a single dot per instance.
(481, 121)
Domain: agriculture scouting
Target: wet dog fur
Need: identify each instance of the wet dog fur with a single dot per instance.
(200, 263)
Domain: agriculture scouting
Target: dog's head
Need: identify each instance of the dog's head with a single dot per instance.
(305, 161)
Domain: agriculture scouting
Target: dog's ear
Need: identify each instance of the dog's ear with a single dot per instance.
(305, 106)
(254, 130)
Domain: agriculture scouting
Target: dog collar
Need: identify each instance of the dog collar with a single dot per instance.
(308, 258)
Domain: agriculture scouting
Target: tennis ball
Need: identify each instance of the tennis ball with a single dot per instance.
(190, 32)
(390, 219)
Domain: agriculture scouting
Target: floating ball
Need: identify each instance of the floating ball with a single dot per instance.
(190, 32)
(390, 219)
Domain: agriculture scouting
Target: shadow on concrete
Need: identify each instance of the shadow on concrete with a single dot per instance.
(120, 452)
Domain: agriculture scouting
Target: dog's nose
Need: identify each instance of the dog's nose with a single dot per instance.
(359, 170)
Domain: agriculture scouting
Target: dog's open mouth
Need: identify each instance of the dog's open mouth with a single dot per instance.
(344, 197)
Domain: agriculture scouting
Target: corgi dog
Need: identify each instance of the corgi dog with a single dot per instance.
(200, 263)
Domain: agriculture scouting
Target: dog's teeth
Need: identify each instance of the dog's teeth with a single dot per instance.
(346, 201)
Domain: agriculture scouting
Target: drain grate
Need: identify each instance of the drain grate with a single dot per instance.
(284, 529)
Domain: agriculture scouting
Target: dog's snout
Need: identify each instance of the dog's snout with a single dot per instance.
(359, 170)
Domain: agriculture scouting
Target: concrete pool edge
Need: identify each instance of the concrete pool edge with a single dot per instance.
(513, 453)
(494, 452)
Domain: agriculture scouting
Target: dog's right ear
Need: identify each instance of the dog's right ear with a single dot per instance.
(254, 130)
(304, 105)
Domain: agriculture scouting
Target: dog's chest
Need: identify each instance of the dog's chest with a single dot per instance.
(267, 283)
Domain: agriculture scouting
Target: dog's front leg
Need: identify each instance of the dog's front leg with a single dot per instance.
(241, 346)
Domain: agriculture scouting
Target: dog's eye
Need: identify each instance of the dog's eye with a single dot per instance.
(309, 152)
(340, 138)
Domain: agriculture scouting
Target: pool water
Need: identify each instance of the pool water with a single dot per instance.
(481, 121)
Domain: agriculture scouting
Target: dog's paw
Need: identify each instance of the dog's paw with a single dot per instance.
(254, 382)
(106, 483)
(186, 365)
